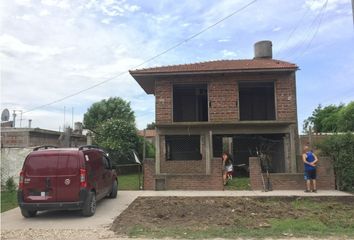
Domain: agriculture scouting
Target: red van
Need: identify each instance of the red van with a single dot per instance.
(65, 178)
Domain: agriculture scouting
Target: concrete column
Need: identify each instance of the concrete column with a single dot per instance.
(292, 149)
(286, 153)
(208, 152)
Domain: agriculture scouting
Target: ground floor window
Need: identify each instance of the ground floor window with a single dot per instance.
(183, 147)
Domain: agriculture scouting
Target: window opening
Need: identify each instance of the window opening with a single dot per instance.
(190, 103)
(256, 101)
(183, 147)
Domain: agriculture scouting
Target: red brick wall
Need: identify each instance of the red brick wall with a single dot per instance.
(198, 182)
(285, 98)
(223, 95)
(180, 166)
(163, 101)
(293, 181)
(184, 181)
(149, 174)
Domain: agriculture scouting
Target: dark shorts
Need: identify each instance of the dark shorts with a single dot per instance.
(310, 174)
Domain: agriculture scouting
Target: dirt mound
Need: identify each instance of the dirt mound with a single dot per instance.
(220, 212)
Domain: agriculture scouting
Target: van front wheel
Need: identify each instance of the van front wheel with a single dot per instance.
(28, 213)
(89, 208)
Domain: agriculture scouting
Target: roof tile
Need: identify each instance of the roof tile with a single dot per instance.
(220, 65)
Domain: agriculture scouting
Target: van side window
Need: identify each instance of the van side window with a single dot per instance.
(106, 162)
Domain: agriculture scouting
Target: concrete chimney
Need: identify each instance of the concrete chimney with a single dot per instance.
(29, 123)
(263, 49)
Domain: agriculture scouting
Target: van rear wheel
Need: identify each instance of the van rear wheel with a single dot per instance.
(28, 213)
(89, 208)
(114, 190)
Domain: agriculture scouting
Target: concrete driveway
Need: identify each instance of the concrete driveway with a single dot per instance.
(71, 225)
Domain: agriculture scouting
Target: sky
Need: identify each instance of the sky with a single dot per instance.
(52, 49)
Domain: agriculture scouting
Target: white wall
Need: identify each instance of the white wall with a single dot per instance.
(11, 162)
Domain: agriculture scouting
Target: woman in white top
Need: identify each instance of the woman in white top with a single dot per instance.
(227, 164)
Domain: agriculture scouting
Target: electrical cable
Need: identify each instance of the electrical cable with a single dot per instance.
(318, 17)
(322, 13)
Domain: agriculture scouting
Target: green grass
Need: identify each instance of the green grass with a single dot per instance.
(239, 183)
(129, 182)
(277, 229)
(8, 200)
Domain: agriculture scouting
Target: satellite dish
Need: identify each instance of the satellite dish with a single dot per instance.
(5, 115)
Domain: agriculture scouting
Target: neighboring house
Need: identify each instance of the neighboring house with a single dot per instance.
(148, 134)
(200, 105)
(32, 137)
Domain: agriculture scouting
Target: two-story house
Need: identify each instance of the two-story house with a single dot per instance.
(200, 107)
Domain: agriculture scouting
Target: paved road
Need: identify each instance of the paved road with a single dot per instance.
(71, 225)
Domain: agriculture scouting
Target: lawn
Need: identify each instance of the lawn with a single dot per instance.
(239, 183)
(8, 200)
(238, 217)
(129, 182)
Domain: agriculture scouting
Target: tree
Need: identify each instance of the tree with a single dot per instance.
(324, 119)
(112, 122)
(341, 150)
(346, 118)
(119, 138)
(151, 126)
(113, 108)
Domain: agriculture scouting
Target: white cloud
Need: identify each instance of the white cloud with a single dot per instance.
(316, 5)
(26, 3)
(224, 40)
(63, 4)
(26, 17)
(229, 54)
(106, 20)
(131, 8)
(276, 29)
(11, 45)
(44, 13)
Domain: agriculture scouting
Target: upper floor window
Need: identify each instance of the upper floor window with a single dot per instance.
(256, 100)
(190, 103)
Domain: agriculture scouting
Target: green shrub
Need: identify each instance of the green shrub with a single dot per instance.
(10, 185)
(341, 150)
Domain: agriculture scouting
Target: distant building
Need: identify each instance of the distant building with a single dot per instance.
(31, 137)
(149, 135)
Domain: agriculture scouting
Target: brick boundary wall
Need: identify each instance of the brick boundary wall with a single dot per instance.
(149, 174)
(292, 181)
(213, 181)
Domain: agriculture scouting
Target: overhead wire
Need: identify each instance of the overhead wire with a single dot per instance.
(322, 13)
(147, 60)
(318, 18)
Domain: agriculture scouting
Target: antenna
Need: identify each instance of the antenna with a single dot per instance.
(5, 115)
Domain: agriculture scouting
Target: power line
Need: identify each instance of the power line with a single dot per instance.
(146, 61)
(294, 29)
(318, 16)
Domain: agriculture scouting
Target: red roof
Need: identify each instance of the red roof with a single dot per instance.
(220, 65)
(146, 77)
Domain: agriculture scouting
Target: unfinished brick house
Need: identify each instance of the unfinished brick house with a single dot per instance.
(200, 105)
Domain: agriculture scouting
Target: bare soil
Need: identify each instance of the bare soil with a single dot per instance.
(201, 213)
